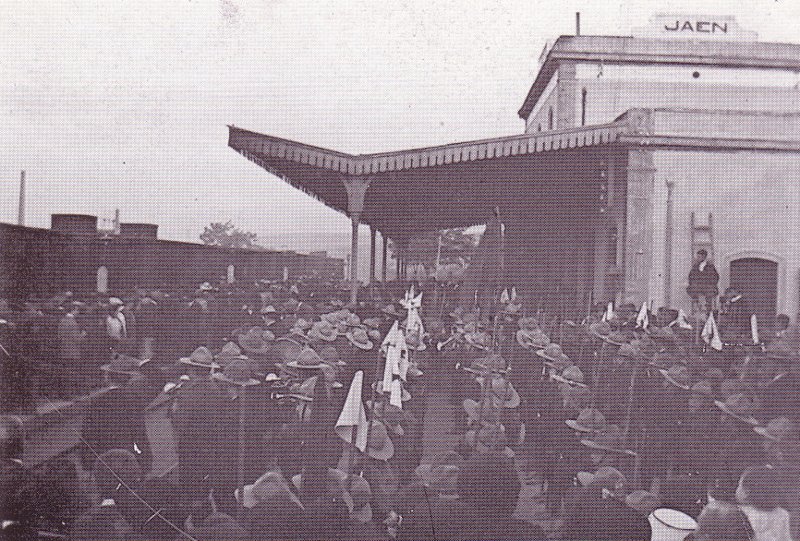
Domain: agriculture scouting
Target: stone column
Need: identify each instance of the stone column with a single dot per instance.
(639, 224)
(356, 190)
(384, 255)
(371, 255)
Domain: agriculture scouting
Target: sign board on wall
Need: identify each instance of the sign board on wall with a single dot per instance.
(695, 27)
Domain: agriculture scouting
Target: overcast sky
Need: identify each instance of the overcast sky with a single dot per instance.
(125, 104)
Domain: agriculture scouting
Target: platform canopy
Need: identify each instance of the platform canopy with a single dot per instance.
(425, 189)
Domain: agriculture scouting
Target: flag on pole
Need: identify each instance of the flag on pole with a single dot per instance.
(504, 297)
(754, 328)
(609, 313)
(643, 319)
(710, 333)
(354, 415)
(513, 294)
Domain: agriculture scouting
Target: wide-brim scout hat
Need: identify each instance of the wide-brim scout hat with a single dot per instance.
(308, 359)
(605, 476)
(532, 338)
(607, 440)
(359, 338)
(572, 376)
(678, 376)
(600, 329)
(492, 363)
(229, 352)
(779, 429)
(200, 357)
(266, 487)
(330, 355)
(391, 310)
(501, 391)
(124, 364)
(323, 330)
(254, 343)
(554, 354)
(589, 420)
(237, 372)
(739, 406)
(670, 524)
(414, 341)
(479, 340)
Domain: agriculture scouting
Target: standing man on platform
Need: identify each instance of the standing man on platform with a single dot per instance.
(70, 361)
(703, 279)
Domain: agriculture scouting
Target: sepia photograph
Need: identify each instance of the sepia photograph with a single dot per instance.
(399, 271)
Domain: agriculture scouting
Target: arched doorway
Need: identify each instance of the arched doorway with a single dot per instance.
(757, 279)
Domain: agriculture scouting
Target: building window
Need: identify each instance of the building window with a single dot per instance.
(583, 107)
(550, 119)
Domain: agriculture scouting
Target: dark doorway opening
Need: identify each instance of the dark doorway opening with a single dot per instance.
(757, 280)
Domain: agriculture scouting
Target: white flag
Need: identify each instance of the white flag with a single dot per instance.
(354, 414)
(643, 319)
(504, 298)
(609, 313)
(710, 333)
(513, 294)
(754, 328)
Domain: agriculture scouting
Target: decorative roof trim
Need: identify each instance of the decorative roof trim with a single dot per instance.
(265, 147)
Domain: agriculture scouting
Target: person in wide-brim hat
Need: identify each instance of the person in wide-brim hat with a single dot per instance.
(253, 342)
(308, 359)
(555, 356)
(678, 376)
(502, 391)
(589, 420)
(739, 406)
(359, 338)
(532, 338)
(238, 372)
(324, 331)
(200, 357)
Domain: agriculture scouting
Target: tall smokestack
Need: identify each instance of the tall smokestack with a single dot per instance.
(21, 210)
(116, 222)
(577, 23)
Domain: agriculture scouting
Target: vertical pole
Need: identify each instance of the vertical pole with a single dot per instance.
(371, 255)
(240, 449)
(354, 222)
(668, 233)
(21, 210)
(384, 254)
(577, 23)
(397, 262)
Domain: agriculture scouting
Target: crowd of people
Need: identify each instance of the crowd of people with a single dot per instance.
(299, 416)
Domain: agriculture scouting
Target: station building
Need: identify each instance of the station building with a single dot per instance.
(637, 151)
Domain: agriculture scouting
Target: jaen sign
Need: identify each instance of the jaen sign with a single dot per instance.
(696, 27)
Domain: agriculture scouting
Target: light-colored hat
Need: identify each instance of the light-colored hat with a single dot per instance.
(532, 338)
(359, 338)
(503, 393)
(605, 476)
(739, 406)
(779, 429)
(323, 330)
(478, 340)
(677, 375)
(572, 375)
(670, 524)
(554, 354)
(589, 420)
(201, 357)
(237, 372)
(330, 355)
(270, 484)
(253, 342)
(229, 352)
(308, 359)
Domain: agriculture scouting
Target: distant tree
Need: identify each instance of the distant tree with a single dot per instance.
(457, 246)
(228, 236)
